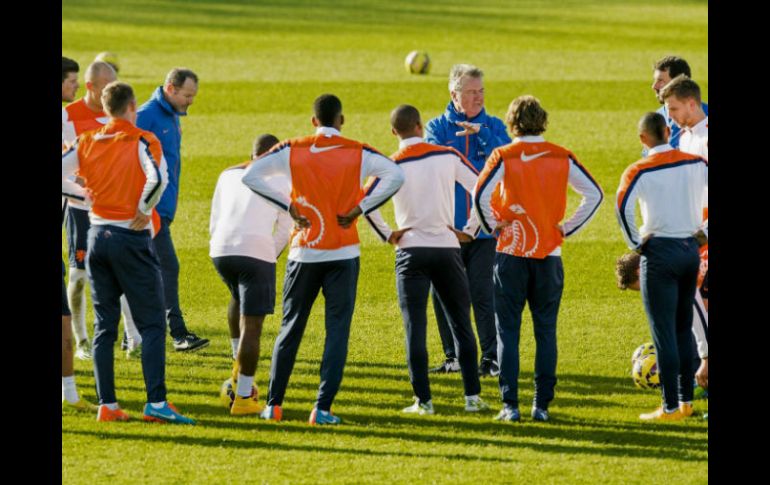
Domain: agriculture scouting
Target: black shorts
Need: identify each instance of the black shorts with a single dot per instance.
(77, 225)
(251, 282)
(65, 307)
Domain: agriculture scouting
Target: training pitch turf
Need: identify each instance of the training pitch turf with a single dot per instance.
(260, 67)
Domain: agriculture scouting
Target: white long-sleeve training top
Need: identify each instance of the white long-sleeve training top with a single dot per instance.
(425, 203)
(243, 223)
(669, 186)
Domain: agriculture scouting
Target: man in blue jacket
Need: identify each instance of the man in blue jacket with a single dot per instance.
(466, 127)
(160, 115)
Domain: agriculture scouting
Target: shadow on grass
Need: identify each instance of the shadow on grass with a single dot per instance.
(606, 438)
(275, 445)
(576, 383)
(452, 404)
(446, 388)
(594, 437)
(570, 383)
(620, 442)
(594, 384)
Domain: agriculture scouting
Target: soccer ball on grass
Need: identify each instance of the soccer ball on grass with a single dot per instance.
(645, 372)
(417, 62)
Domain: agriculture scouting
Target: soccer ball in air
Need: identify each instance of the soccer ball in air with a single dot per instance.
(645, 372)
(227, 392)
(417, 62)
(109, 58)
(641, 351)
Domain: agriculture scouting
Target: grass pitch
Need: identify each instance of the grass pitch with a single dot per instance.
(261, 66)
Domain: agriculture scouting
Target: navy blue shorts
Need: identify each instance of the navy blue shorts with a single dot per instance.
(251, 282)
(65, 307)
(77, 225)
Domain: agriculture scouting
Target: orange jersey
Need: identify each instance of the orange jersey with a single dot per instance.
(114, 163)
(525, 184)
(81, 118)
(325, 183)
(326, 173)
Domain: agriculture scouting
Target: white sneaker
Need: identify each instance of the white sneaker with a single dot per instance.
(419, 408)
(474, 404)
(83, 351)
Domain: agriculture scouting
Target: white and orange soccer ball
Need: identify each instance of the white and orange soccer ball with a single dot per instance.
(417, 62)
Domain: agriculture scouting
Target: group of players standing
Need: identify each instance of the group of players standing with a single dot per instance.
(124, 186)
(451, 178)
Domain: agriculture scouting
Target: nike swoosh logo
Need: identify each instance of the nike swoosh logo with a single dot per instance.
(315, 149)
(529, 158)
(100, 136)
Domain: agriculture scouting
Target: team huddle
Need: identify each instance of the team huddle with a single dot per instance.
(480, 223)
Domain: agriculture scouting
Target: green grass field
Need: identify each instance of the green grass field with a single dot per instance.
(260, 68)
